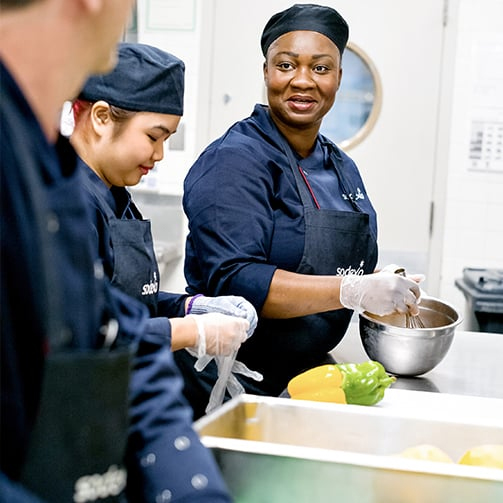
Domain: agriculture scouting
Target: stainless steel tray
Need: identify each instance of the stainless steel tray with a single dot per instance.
(274, 450)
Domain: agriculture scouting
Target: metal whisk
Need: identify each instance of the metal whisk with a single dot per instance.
(411, 321)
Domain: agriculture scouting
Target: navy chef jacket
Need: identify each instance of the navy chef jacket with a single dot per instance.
(245, 214)
(42, 255)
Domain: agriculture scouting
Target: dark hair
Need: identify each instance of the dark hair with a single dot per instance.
(13, 4)
(119, 115)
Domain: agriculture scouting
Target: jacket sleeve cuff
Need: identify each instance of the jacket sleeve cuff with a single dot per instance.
(253, 283)
(160, 329)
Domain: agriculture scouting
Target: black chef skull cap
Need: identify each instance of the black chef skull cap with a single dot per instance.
(145, 79)
(306, 17)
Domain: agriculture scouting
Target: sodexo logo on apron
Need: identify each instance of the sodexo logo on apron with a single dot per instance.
(354, 197)
(150, 288)
(341, 271)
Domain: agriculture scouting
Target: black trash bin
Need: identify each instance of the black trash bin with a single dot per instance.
(483, 290)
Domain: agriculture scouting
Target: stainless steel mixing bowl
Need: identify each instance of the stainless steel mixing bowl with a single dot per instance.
(410, 351)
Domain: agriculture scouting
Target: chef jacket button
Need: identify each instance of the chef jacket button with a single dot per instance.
(52, 223)
(164, 497)
(148, 460)
(182, 443)
(199, 481)
(99, 272)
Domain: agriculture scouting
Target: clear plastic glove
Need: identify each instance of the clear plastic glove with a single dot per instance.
(226, 304)
(381, 293)
(240, 310)
(227, 368)
(218, 334)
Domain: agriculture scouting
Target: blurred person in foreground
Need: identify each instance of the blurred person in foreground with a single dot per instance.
(53, 293)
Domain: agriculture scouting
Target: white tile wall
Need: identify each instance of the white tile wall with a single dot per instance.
(473, 225)
(473, 234)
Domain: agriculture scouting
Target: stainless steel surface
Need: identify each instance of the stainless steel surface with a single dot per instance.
(278, 450)
(410, 351)
(472, 366)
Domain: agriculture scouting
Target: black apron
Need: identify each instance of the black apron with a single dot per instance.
(78, 442)
(135, 271)
(335, 241)
(280, 349)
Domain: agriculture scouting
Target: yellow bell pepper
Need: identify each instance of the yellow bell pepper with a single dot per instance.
(355, 383)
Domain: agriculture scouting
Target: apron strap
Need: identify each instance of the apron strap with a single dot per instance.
(335, 158)
(305, 191)
(306, 195)
(104, 204)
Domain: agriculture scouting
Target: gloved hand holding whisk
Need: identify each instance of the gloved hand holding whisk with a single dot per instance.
(382, 293)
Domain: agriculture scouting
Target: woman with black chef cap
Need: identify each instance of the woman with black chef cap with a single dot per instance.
(279, 214)
(122, 120)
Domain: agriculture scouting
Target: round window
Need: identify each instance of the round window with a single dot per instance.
(358, 100)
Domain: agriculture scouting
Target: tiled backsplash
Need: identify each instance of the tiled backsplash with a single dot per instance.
(473, 232)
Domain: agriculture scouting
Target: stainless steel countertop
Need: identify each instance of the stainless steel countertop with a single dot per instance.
(473, 365)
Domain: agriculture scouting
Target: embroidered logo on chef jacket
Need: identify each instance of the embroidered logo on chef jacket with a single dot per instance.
(100, 485)
(150, 288)
(354, 197)
(341, 271)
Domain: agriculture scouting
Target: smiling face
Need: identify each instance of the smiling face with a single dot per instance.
(126, 151)
(302, 73)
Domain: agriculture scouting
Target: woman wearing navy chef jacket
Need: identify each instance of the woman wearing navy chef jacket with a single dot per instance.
(121, 122)
(280, 215)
